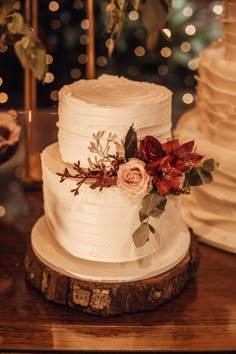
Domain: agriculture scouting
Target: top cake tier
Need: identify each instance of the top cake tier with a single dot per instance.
(110, 104)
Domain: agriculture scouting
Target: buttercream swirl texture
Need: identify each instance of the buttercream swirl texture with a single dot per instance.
(114, 104)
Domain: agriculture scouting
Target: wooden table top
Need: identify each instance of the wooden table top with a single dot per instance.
(202, 317)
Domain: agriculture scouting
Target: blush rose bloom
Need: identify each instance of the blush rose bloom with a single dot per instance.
(132, 177)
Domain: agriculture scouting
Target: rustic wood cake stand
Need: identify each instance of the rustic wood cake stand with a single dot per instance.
(105, 299)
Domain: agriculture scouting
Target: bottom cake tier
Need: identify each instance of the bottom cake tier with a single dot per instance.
(170, 253)
(210, 210)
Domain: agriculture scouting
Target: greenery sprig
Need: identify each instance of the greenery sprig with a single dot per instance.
(16, 31)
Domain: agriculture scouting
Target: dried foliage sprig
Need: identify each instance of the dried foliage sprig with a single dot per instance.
(16, 31)
(153, 15)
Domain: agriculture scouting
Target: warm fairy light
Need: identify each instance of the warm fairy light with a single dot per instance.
(166, 52)
(185, 47)
(190, 30)
(162, 70)
(49, 78)
(75, 73)
(2, 211)
(3, 97)
(187, 11)
(55, 24)
(132, 70)
(139, 51)
(101, 61)
(54, 95)
(53, 6)
(49, 59)
(83, 58)
(1, 81)
(193, 64)
(167, 32)
(133, 15)
(187, 98)
(19, 171)
(218, 9)
(84, 24)
(78, 4)
(83, 39)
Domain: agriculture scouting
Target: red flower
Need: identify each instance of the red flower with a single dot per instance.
(181, 156)
(166, 178)
(151, 149)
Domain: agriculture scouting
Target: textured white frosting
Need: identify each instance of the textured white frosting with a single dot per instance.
(210, 210)
(98, 225)
(113, 104)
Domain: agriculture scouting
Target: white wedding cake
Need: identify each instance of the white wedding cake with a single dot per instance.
(211, 210)
(89, 232)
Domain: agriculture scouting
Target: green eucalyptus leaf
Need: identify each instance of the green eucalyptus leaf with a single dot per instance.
(131, 143)
(151, 201)
(16, 25)
(31, 54)
(142, 215)
(159, 209)
(198, 176)
(151, 228)
(154, 14)
(141, 235)
(210, 165)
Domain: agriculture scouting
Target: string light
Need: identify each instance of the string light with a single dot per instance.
(2, 211)
(84, 24)
(49, 59)
(3, 97)
(133, 15)
(75, 73)
(53, 6)
(101, 61)
(1, 81)
(193, 64)
(54, 95)
(139, 51)
(187, 11)
(167, 32)
(83, 39)
(78, 4)
(218, 9)
(187, 98)
(190, 30)
(83, 58)
(49, 78)
(166, 52)
(185, 47)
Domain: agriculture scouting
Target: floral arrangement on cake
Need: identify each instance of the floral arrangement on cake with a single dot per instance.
(148, 169)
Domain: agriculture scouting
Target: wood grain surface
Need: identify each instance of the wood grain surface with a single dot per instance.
(201, 318)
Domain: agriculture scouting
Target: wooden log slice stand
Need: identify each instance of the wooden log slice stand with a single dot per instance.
(105, 299)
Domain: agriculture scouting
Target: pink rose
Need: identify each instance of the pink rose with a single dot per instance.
(132, 177)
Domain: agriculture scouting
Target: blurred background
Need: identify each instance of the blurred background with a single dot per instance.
(190, 28)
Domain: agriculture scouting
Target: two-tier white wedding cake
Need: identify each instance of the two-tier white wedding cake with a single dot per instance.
(88, 233)
(211, 210)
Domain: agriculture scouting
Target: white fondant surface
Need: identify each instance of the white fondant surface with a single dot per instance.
(210, 210)
(171, 251)
(113, 104)
(98, 225)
